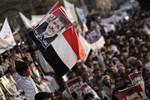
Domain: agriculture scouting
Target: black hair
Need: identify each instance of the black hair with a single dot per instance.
(74, 95)
(42, 95)
(20, 67)
(96, 69)
(88, 95)
(130, 92)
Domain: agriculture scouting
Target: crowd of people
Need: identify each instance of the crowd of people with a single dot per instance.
(125, 52)
(26, 73)
(106, 70)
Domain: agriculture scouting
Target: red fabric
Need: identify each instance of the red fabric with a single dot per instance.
(73, 39)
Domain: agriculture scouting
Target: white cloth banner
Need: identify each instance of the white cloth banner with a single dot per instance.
(81, 15)
(7, 40)
(70, 11)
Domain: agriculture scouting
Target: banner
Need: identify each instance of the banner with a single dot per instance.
(85, 88)
(136, 77)
(78, 89)
(98, 44)
(73, 87)
(9, 84)
(92, 36)
(70, 11)
(81, 15)
(6, 37)
(58, 41)
(109, 27)
(132, 93)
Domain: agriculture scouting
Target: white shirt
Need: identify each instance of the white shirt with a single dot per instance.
(27, 85)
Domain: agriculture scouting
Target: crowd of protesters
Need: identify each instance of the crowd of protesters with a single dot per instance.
(106, 70)
(26, 72)
(126, 51)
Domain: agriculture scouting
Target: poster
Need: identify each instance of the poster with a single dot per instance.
(132, 93)
(9, 84)
(136, 77)
(92, 36)
(54, 25)
(85, 88)
(73, 86)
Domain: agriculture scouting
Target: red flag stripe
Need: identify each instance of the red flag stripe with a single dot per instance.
(55, 7)
(73, 40)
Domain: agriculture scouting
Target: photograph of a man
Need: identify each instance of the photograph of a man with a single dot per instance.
(51, 28)
(133, 95)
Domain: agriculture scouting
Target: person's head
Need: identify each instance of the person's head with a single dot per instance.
(118, 81)
(55, 24)
(131, 61)
(133, 95)
(22, 68)
(113, 69)
(89, 96)
(89, 64)
(71, 74)
(121, 69)
(43, 96)
(85, 75)
(97, 73)
(107, 80)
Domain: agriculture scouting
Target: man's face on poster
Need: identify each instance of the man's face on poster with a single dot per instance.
(54, 26)
(134, 96)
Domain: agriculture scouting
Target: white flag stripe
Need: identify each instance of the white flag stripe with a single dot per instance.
(61, 45)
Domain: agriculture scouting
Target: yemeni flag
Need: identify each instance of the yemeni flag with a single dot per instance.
(58, 41)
